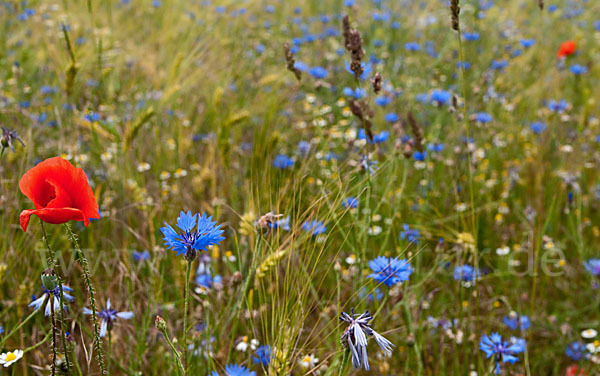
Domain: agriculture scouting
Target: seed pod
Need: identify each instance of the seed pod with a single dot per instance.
(49, 279)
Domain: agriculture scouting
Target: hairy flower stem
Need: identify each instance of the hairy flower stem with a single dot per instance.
(345, 359)
(84, 265)
(51, 264)
(185, 316)
(161, 325)
(53, 336)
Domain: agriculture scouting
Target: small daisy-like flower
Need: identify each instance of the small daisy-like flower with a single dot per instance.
(7, 359)
(197, 234)
(503, 251)
(389, 270)
(53, 295)
(355, 337)
(242, 345)
(143, 167)
(180, 172)
(589, 333)
(108, 316)
(308, 362)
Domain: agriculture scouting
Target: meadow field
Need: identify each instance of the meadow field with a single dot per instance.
(269, 187)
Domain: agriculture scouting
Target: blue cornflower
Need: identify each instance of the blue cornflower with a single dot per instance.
(575, 350)
(578, 69)
(376, 294)
(377, 138)
(440, 97)
(108, 316)
(283, 161)
(514, 321)
(52, 295)
(537, 127)
(389, 271)
(420, 156)
(391, 117)
(593, 266)
(465, 273)
(435, 147)
(189, 241)
(314, 227)
(350, 202)
(471, 36)
(502, 350)
(526, 43)
(463, 64)
(557, 106)
(499, 65)
(483, 117)
(303, 148)
(411, 234)
(263, 355)
(141, 256)
(318, 72)
(237, 370)
(382, 100)
(367, 68)
(412, 46)
(283, 223)
(357, 93)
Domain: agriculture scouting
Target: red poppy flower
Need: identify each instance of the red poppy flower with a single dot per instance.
(567, 48)
(575, 371)
(60, 193)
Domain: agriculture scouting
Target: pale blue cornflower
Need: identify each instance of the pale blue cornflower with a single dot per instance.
(108, 316)
(55, 297)
(355, 337)
(197, 234)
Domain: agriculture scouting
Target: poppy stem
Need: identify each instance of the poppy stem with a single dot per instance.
(63, 328)
(185, 316)
(53, 335)
(84, 265)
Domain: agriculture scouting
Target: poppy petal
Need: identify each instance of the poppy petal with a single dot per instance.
(53, 215)
(56, 183)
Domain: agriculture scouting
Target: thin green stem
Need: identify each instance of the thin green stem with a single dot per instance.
(84, 265)
(25, 351)
(344, 361)
(20, 325)
(162, 327)
(185, 315)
